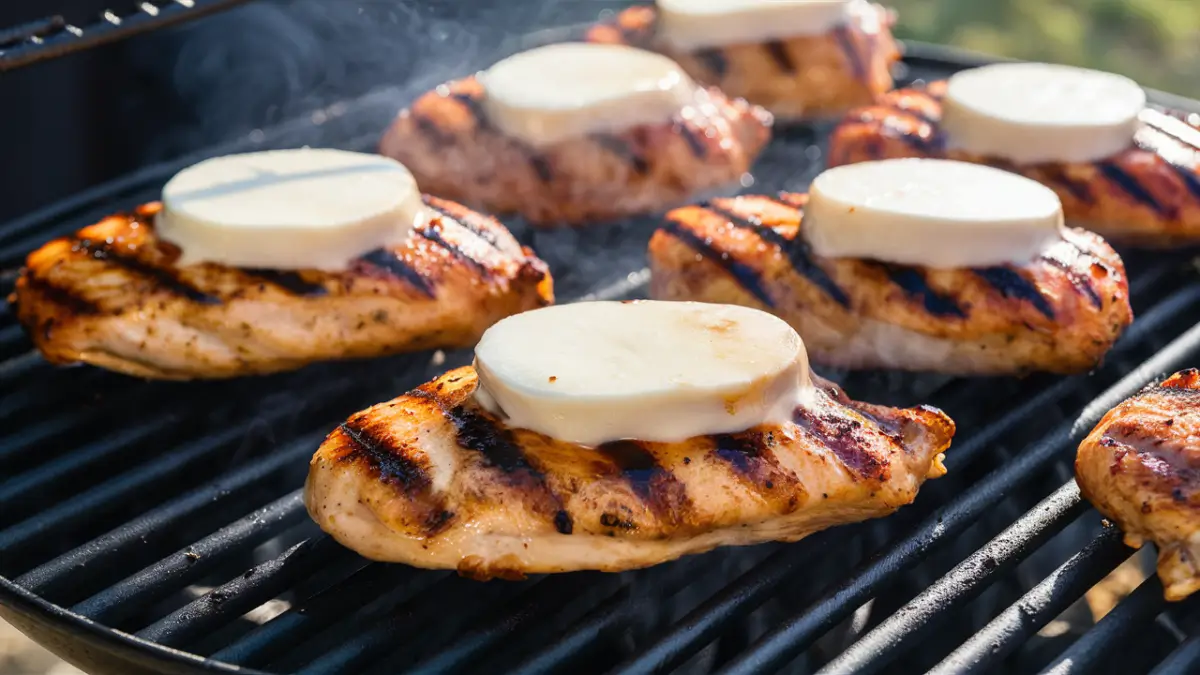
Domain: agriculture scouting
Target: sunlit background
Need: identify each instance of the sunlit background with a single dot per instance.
(1156, 42)
(72, 126)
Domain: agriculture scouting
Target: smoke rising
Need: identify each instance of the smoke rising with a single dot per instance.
(269, 62)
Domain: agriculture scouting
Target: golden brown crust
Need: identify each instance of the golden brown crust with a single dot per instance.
(111, 295)
(445, 140)
(1148, 195)
(1059, 313)
(804, 77)
(1140, 466)
(433, 480)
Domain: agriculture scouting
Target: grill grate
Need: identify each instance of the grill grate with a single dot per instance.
(53, 36)
(158, 527)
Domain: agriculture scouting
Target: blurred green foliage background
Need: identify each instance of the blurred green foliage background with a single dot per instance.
(1156, 42)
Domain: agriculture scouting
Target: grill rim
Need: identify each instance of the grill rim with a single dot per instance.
(94, 644)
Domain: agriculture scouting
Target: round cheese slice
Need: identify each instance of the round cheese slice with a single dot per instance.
(594, 372)
(554, 93)
(1035, 112)
(289, 209)
(930, 212)
(695, 24)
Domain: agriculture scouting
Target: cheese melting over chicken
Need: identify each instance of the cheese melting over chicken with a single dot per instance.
(289, 209)
(555, 93)
(930, 212)
(594, 372)
(696, 24)
(1037, 112)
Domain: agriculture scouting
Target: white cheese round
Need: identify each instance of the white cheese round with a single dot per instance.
(594, 372)
(554, 93)
(289, 209)
(930, 212)
(1036, 112)
(695, 24)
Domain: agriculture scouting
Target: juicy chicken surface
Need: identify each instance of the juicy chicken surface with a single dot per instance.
(804, 77)
(111, 295)
(445, 139)
(1147, 195)
(432, 480)
(1059, 313)
(1140, 466)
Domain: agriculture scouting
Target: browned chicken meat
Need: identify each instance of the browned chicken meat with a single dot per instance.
(804, 77)
(1148, 195)
(433, 480)
(111, 295)
(1140, 466)
(445, 139)
(1059, 313)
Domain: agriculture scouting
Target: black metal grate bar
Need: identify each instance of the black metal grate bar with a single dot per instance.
(1184, 660)
(1037, 607)
(258, 585)
(1089, 652)
(270, 640)
(964, 582)
(546, 598)
(118, 601)
(54, 577)
(703, 624)
(364, 646)
(785, 642)
(18, 495)
(581, 637)
(54, 37)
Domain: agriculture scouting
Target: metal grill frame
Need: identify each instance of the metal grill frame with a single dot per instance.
(53, 37)
(88, 641)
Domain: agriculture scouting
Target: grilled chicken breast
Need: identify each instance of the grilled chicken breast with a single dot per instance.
(111, 295)
(805, 77)
(448, 144)
(1140, 466)
(432, 480)
(1148, 195)
(1059, 313)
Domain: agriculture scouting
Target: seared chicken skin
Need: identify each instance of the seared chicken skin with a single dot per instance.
(111, 295)
(805, 77)
(1140, 466)
(433, 480)
(1147, 195)
(447, 142)
(1059, 313)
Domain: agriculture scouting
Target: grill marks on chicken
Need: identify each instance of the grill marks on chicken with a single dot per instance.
(113, 296)
(1147, 195)
(432, 480)
(447, 142)
(810, 76)
(1140, 466)
(1059, 313)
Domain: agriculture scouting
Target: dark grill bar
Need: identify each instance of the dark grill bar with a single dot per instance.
(143, 518)
(1112, 632)
(53, 37)
(1039, 606)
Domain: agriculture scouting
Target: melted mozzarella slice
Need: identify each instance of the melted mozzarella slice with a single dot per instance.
(930, 212)
(1036, 112)
(594, 372)
(289, 209)
(696, 24)
(554, 93)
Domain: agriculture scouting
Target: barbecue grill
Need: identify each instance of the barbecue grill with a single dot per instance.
(153, 527)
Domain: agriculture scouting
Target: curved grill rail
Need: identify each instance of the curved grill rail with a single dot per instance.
(159, 527)
(53, 36)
